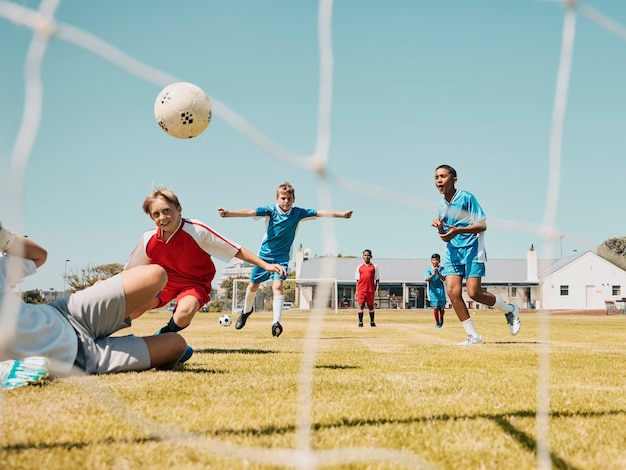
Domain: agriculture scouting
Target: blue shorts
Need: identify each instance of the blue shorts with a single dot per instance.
(259, 275)
(474, 269)
(437, 303)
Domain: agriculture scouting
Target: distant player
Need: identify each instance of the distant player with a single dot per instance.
(282, 221)
(436, 289)
(367, 287)
(461, 223)
(184, 247)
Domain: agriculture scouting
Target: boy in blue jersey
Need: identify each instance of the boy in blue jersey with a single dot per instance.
(282, 221)
(436, 289)
(461, 223)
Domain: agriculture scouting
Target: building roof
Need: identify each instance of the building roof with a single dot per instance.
(399, 270)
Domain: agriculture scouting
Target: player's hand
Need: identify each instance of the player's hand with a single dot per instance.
(449, 234)
(438, 224)
(347, 214)
(222, 212)
(277, 268)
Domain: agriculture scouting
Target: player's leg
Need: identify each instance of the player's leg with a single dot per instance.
(248, 301)
(371, 306)
(165, 350)
(131, 353)
(186, 308)
(277, 306)
(475, 291)
(142, 285)
(256, 278)
(442, 311)
(454, 284)
(360, 302)
(436, 314)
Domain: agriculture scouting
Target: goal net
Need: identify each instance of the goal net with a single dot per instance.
(418, 82)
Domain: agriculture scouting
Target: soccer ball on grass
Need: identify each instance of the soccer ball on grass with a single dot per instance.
(225, 320)
(183, 110)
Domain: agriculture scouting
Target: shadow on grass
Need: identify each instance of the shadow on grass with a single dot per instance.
(335, 366)
(502, 420)
(204, 370)
(236, 351)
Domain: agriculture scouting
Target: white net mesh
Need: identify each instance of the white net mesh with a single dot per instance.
(38, 28)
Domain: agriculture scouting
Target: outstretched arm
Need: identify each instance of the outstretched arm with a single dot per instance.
(26, 248)
(245, 255)
(338, 215)
(240, 213)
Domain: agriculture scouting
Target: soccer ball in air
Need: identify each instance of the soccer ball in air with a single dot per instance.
(225, 320)
(183, 110)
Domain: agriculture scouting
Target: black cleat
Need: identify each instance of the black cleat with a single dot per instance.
(241, 321)
(277, 329)
(372, 324)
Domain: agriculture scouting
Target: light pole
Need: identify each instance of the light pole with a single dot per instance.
(65, 276)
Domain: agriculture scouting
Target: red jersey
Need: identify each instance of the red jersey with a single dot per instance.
(186, 255)
(366, 276)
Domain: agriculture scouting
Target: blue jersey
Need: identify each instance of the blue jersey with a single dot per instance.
(463, 211)
(281, 231)
(436, 289)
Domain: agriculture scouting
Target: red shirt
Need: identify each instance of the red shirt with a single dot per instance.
(186, 255)
(366, 276)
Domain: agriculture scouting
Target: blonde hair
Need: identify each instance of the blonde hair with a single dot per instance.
(286, 188)
(163, 193)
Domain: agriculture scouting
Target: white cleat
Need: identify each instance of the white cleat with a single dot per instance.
(471, 340)
(512, 318)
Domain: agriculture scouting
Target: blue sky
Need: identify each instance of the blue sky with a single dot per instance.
(414, 84)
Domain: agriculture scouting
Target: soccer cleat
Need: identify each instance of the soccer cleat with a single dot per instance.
(471, 340)
(186, 356)
(372, 324)
(277, 329)
(512, 318)
(437, 325)
(360, 324)
(17, 373)
(241, 321)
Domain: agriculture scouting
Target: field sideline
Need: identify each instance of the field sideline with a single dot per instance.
(401, 395)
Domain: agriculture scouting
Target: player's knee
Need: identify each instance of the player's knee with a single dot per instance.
(179, 345)
(157, 275)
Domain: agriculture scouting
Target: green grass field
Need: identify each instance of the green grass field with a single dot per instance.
(402, 395)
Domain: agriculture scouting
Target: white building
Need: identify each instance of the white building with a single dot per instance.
(582, 281)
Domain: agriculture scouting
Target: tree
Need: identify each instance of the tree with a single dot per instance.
(83, 278)
(34, 297)
(614, 251)
(227, 287)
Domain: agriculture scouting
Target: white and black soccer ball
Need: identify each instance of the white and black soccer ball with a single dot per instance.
(183, 110)
(225, 320)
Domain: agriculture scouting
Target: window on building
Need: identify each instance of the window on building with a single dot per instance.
(616, 290)
(513, 291)
(564, 290)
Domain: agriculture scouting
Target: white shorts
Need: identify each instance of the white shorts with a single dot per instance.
(96, 313)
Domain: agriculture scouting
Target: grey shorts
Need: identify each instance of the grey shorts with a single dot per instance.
(96, 313)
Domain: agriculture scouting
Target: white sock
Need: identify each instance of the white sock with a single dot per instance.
(249, 300)
(501, 305)
(278, 307)
(469, 327)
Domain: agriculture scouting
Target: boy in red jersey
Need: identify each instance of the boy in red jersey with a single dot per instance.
(184, 247)
(367, 285)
